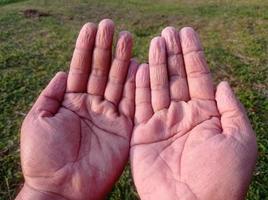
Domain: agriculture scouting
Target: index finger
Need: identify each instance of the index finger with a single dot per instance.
(81, 61)
(198, 74)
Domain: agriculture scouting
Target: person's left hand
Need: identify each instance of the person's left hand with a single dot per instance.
(75, 139)
(189, 141)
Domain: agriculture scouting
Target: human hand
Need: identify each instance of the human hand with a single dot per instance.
(75, 139)
(187, 142)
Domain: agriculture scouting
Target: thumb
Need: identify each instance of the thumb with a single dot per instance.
(233, 116)
(51, 97)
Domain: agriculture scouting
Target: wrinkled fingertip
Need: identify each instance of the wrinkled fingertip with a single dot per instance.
(157, 42)
(225, 98)
(189, 40)
(107, 23)
(89, 26)
(124, 46)
(86, 36)
(142, 75)
(169, 30)
(88, 30)
(223, 89)
(171, 36)
(60, 78)
(224, 84)
(157, 51)
(187, 30)
(125, 33)
(132, 70)
(61, 74)
(143, 67)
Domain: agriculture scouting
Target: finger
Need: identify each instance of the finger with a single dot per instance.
(51, 97)
(143, 105)
(158, 74)
(233, 115)
(177, 77)
(81, 61)
(101, 58)
(119, 69)
(198, 75)
(127, 104)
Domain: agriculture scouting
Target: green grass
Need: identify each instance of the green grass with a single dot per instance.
(2, 2)
(234, 34)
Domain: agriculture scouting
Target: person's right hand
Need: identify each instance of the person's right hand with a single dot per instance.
(75, 140)
(188, 142)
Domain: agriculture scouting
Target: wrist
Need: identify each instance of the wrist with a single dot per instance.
(29, 193)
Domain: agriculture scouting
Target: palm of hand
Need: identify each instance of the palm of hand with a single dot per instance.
(187, 143)
(199, 149)
(81, 138)
(187, 154)
(77, 152)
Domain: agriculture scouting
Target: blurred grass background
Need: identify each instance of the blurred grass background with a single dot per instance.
(37, 39)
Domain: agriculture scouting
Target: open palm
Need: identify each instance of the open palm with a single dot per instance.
(75, 140)
(188, 142)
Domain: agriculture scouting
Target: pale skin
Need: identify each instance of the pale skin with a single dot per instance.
(186, 141)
